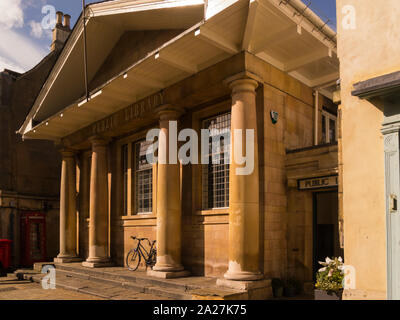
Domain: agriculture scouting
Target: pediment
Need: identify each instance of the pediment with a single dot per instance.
(109, 25)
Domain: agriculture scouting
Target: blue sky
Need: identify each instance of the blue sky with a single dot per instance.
(24, 41)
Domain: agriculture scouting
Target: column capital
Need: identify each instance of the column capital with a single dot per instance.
(169, 112)
(67, 152)
(241, 79)
(390, 128)
(99, 141)
(243, 85)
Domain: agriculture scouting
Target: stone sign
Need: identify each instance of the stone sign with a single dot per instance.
(318, 183)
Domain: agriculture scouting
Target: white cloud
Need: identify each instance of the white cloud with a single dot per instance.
(12, 15)
(23, 53)
(36, 29)
(6, 64)
(18, 51)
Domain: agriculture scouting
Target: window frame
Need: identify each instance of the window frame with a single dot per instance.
(135, 170)
(226, 196)
(131, 211)
(329, 116)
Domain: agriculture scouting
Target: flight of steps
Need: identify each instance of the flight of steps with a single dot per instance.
(120, 284)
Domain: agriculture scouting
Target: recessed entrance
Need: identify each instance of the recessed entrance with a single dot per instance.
(326, 228)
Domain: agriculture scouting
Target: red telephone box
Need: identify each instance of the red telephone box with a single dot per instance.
(33, 238)
(5, 254)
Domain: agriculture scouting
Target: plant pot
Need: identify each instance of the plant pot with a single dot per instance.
(278, 292)
(289, 292)
(327, 295)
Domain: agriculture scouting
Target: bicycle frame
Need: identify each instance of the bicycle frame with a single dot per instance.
(143, 252)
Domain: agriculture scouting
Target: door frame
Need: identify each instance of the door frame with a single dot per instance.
(314, 228)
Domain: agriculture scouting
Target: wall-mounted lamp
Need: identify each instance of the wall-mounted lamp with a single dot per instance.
(274, 117)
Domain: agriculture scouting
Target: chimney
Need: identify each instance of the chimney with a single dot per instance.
(67, 21)
(61, 31)
(59, 16)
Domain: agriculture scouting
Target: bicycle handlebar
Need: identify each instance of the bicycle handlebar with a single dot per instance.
(142, 239)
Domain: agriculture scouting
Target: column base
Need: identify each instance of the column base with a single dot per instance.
(168, 274)
(164, 267)
(67, 259)
(256, 290)
(101, 263)
(243, 276)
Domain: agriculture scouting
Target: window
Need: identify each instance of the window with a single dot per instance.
(124, 165)
(143, 179)
(136, 179)
(215, 175)
(328, 125)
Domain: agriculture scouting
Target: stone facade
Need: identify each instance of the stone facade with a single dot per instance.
(29, 179)
(30, 169)
(362, 155)
(205, 233)
(146, 78)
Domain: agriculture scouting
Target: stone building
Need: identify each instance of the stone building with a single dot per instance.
(266, 65)
(30, 169)
(369, 144)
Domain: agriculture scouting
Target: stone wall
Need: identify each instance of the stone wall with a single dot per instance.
(29, 170)
(205, 232)
(362, 154)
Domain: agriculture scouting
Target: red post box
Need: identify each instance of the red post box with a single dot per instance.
(5, 253)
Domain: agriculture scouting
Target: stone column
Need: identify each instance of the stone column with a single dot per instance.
(391, 136)
(168, 201)
(98, 206)
(68, 221)
(244, 213)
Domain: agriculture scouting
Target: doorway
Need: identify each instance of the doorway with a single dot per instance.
(326, 228)
(33, 238)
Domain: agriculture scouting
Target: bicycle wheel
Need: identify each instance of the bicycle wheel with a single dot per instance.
(133, 259)
(153, 258)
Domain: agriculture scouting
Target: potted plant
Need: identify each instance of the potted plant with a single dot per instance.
(277, 287)
(329, 285)
(290, 289)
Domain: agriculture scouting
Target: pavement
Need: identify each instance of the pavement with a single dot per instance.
(13, 289)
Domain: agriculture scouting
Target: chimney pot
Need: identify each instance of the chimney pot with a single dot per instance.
(59, 16)
(67, 21)
(61, 31)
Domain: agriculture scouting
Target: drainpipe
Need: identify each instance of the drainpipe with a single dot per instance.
(316, 104)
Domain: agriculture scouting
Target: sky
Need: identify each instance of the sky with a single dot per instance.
(25, 27)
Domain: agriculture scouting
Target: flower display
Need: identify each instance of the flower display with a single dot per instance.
(330, 276)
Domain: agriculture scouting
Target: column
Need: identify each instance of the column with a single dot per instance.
(169, 213)
(98, 206)
(391, 136)
(68, 221)
(244, 213)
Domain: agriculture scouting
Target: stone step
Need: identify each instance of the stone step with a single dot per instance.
(91, 282)
(110, 291)
(75, 275)
(130, 277)
(117, 282)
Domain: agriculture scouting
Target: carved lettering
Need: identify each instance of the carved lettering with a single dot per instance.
(316, 183)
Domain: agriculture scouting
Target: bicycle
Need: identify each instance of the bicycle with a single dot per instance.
(135, 255)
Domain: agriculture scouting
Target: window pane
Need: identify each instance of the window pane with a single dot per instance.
(124, 165)
(144, 179)
(332, 130)
(215, 174)
(323, 126)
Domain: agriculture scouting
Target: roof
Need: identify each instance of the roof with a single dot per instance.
(285, 34)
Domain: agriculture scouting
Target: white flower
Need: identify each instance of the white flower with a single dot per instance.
(327, 260)
(330, 273)
(340, 259)
(322, 269)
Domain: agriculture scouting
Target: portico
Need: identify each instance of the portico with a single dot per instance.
(208, 219)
